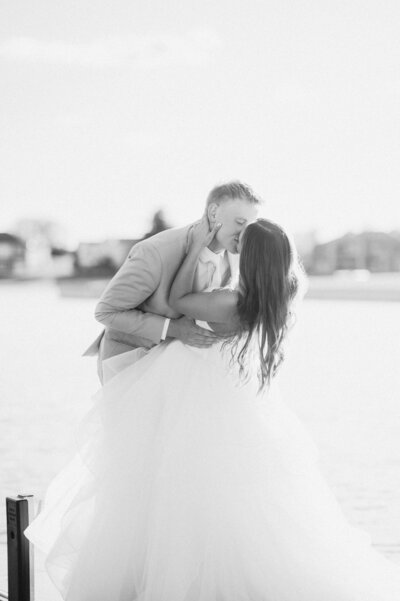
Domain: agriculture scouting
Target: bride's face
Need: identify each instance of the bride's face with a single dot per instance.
(234, 215)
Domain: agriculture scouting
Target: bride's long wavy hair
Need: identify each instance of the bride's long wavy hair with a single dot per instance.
(271, 277)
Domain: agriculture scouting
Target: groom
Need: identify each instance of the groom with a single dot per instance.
(134, 306)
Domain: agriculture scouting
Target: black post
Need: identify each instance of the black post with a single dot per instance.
(19, 551)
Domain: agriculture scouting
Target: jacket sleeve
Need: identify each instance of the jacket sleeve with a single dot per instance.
(134, 282)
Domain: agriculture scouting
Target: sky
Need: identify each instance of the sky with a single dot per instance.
(112, 110)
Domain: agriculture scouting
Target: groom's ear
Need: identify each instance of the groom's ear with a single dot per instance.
(211, 213)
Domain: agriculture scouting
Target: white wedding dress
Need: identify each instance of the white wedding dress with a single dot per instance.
(187, 486)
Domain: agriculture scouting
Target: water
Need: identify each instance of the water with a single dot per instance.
(341, 377)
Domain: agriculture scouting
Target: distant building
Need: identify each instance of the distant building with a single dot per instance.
(101, 259)
(374, 251)
(46, 254)
(12, 254)
(305, 243)
(118, 250)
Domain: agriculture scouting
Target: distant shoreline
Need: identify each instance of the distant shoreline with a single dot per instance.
(356, 286)
(347, 286)
(376, 287)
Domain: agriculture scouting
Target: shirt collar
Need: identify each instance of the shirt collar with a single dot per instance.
(208, 256)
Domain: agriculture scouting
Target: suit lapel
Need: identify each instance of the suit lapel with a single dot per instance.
(188, 231)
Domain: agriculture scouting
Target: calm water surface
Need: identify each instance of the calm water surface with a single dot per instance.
(341, 377)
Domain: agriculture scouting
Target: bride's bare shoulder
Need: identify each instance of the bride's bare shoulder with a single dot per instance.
(225, 318)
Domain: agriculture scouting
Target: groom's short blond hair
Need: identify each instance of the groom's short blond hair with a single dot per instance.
(232, 191)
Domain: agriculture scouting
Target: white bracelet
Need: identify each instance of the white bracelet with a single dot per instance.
(165, 328)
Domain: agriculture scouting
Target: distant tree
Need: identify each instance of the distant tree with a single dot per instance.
(159, 224)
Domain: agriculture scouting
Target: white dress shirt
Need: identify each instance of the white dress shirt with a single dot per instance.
(212, 271)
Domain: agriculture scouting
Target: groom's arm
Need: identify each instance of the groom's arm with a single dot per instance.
(134, 282)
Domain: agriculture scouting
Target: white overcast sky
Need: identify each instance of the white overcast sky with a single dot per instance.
(110, 110)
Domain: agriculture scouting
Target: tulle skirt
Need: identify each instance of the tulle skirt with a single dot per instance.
(188, 486)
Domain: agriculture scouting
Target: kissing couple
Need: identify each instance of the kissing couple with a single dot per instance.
(192, 480)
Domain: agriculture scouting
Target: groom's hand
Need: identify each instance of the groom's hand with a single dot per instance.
(187, 331)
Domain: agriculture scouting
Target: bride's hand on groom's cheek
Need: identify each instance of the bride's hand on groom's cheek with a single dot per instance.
(202, 233)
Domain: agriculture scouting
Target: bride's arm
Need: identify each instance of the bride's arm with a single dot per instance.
(216, 306)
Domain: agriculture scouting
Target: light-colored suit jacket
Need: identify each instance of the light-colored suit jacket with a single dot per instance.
(134, 305)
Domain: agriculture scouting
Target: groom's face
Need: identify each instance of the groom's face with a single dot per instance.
(234, 215)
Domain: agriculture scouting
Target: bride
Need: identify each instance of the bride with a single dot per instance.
(193, 481)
